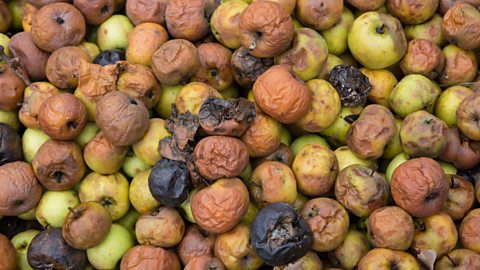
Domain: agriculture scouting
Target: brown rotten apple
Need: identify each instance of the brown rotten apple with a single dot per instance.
(11, 88)
(141, 11)
(282, 95)
(220, 157)
(205, 262)
(62, 116)
(470, 231)
(143, 257)
(459, 151)
(195, 243)
(459, 259)
(59, 165)
(264, 135)
(95, 11)
(412, 11)
(420, 187)
(461, 25)
(8, 254)
(20, 189)
(219, 207)
(246, 68)
(461, 197)
(214, 66)
(161, 227)
(32, 58)
(320, 15)
(62, 68)
(460, 65)
(176, 61)
(468, 116)
(122, 118)
(390, 227)
(35, 94)
(423, 57)
(138, 81)
(143, 41)
(266, 29)
(366, 5)
(57, 25)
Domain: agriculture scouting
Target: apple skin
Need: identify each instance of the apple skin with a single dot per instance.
(353, 248)
(430, 30)
(386, 259)
(187, 207)
(337, 35)
(111, 191)
(10, 118)
(377, 40)
(302, 141)
(459, 259)
(448, 103)
(87, 134)
(224, 23)
(21, 242)
(394, 147)
(53, 207)
(146, 148)
(436, 232)
(31, 141)
(336, 133)
(29, 215)
(132, 165)
(113, 33)
(394, 163)
(167, 98)
(383, 81)
(129, 220)
(109, 253)
(461, 197)
(332, 61)
(346, 157)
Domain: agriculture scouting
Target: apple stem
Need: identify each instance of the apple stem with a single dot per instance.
(15, 65)
(450, 259)
(75, 213)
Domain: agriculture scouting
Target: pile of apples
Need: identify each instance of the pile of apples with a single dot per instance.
(239, 134)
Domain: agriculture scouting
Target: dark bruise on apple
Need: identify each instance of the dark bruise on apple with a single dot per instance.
(246, 68)
(10, 145)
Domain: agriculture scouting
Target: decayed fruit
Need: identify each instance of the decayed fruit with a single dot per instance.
(102, 156)
(62, 66)
(143, 41)
(35, 94)
(59, 165)
(8, 254)
(161, 227)
(469, 230)
(420, 187)
(423, 57)
(461, 197)
(141, 11)
(459, 151)
(62, 116)
(57, 25)
(95, 12)
(193, 95)
(319, 15)
(468, 117)
(224, 23)
(436, 232)
(21, 190)
(205, 262)
(10, 145)
(195, 243)
(219, 207)
(169, 182)
(148, 257)
(215, 67)
(265, 29)
(32, 58)
(139, 82)
(460, 24)
(11, 88)
(412, 11)
(366, 5)
(460, 65)
(382, 258)
(459, 258)
(352, 86)
(390, 227)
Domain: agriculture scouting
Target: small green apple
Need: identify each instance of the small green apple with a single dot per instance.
(21, 242)
(397, 160)
(346, 157)
(87, 134)
(299, 143)
(113, 33)
(448, 168)
(336, 133)
(31, 141)
(167, 98)
(337, 36)
(224, 23)
(394, 147)
(30, 215)
(53, 207)
(109, 253)
(10, 118)
(132, 165)
(186, 207)
(286, 137)
(16, 11)
(377, 40)
(250, 214)
(146, 148)
(448, 103)
(90, 48)
(129, 220)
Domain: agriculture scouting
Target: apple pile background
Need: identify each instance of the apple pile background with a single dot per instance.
(239, 134)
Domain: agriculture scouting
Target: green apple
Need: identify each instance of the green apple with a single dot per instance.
(448, 168)
(29, 215)
(394, 147)
(146, 148)
(430, 30)
(140, 195)
(21, 242)
(111, 191)
(247, 174)
(113, 33)
(286, 137)
(167, 98)
(436, 232)
(250, 214)
(377, 40)
(187, 208)
(397, 160)
(90, 105)
(16, 11)
(10, 118)
(336, 133)
(53, 207)
(31, 141)
(299, 143)
(353, 248)
(129, 220)
(224, 23)
(448, 103)
(337, 36)
(332, 61)
(132, 165)
(346, 157)
(87, 134)
(413, 93)
(4, 41)
(307, 55)
(109, 253)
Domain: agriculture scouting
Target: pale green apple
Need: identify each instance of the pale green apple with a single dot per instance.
(21, 242)
(346, 157)
(29, 215)
(90, 105)
(87, 134)
(448, 103)
(111, 191)
(337, 36)
(353, 248)
(31, 141)
(430, 30)
(129, 220)
(10, 118)
(394, 147)
(247, 174)
(4, 41)
(336, 133)
(54, 206)
(448, 168)
(139, 193)
(377, 40)
(299, 143)
(224, 23)
(109, 253)
(146, 148)
(102, 156)
(436, 232)
(132, 165)
(414, 93)
(187, 208)
(113, 33)
(397, 160)
(90, 48)
(307, 55)
(332, 61)
(167, 98)
(251, 213)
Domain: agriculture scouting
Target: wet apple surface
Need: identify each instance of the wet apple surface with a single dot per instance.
(239, 134)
